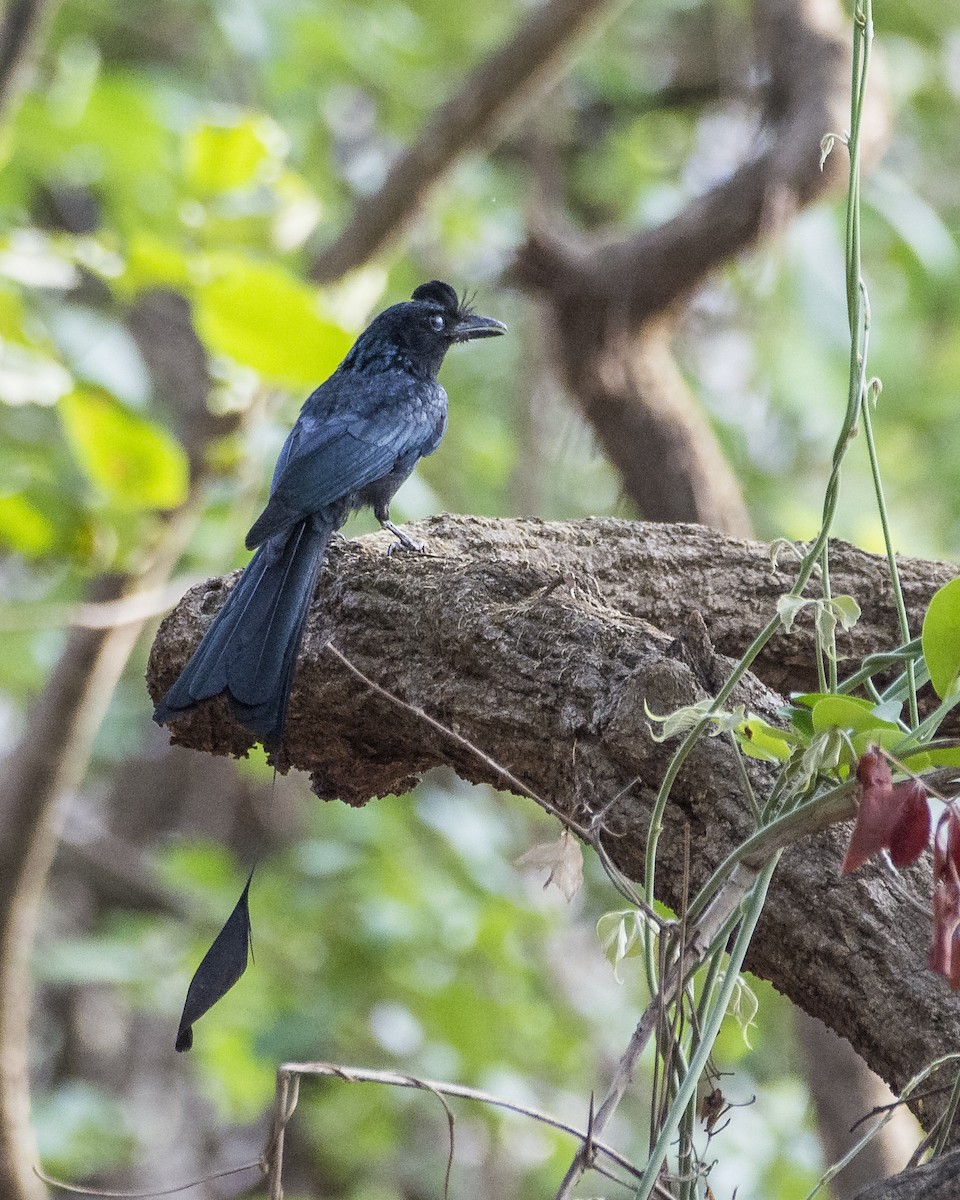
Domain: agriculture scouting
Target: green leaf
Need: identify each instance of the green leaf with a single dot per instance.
(788, 606)
(800, 718)
(941, 638)
(743, 1007)
(263, 317)
(621, 936)
(758, 739)
(825, 753)
(132, 461)
(888, 710)
(691, 714)
(24, 528)
(848, 712)
(939, 756)
(886, 737)
(847, 611)
(153, 262)
(221, 157)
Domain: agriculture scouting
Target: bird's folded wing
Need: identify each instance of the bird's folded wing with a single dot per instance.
(322, 474)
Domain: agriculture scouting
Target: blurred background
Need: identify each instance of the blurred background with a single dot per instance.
(174, 175)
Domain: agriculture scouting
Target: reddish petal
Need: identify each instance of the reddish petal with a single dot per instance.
(940, 860)
(945, 951)
(911, 833)
(873, 772)
(876, 814)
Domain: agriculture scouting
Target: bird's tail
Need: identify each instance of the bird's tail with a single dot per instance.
(250, 650)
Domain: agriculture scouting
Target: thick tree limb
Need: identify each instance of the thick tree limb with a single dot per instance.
(629, 281)
(541, 644)
(935, 1180)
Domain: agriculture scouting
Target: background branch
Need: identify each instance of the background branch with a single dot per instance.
(935, 1180)
(495, 91)
(613, 305)
(21, 30)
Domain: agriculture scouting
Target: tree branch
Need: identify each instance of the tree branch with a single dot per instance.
(21, 28)
(612, 304)
(495, 91)
(540, 644)
(935, 1180)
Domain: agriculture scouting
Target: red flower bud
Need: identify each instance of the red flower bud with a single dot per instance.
(876, 815)
(952, 856)
(894, 818)
(873, 771)
(910, 834)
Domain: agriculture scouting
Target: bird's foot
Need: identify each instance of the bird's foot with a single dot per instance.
(403, 542)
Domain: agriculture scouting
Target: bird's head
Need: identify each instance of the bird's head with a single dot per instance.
(421, 330)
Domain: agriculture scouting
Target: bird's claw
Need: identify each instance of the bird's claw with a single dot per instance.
(404, 545)
(403, 542)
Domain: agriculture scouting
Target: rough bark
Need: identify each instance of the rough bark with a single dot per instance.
(658, 573)
(540, 644)
(936, 1180)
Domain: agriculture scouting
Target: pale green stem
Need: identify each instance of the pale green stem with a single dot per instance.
(752, 909)
(828, 652)
(902, 618)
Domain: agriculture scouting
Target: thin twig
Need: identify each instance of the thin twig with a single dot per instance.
(60, 1185)
(582, 831)
(133, 608)
(290, 1070)
(288, 1092)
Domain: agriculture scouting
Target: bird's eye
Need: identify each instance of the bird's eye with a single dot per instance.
(436, 322)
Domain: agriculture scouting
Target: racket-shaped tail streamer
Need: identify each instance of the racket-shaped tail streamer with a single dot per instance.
(221, 967)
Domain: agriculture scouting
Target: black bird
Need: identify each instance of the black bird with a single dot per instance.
(357, 438)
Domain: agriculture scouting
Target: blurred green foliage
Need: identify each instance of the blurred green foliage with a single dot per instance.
(211, 150)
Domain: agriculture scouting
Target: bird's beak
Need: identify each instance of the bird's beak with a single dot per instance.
(473, 326)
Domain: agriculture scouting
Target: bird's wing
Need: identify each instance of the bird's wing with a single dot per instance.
(325, 465)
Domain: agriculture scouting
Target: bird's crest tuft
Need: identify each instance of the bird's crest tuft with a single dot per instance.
(438, 292)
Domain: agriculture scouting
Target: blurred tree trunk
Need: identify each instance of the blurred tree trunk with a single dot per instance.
(21, 31)
(52, 756)
(47, 764)
(843, 1090)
